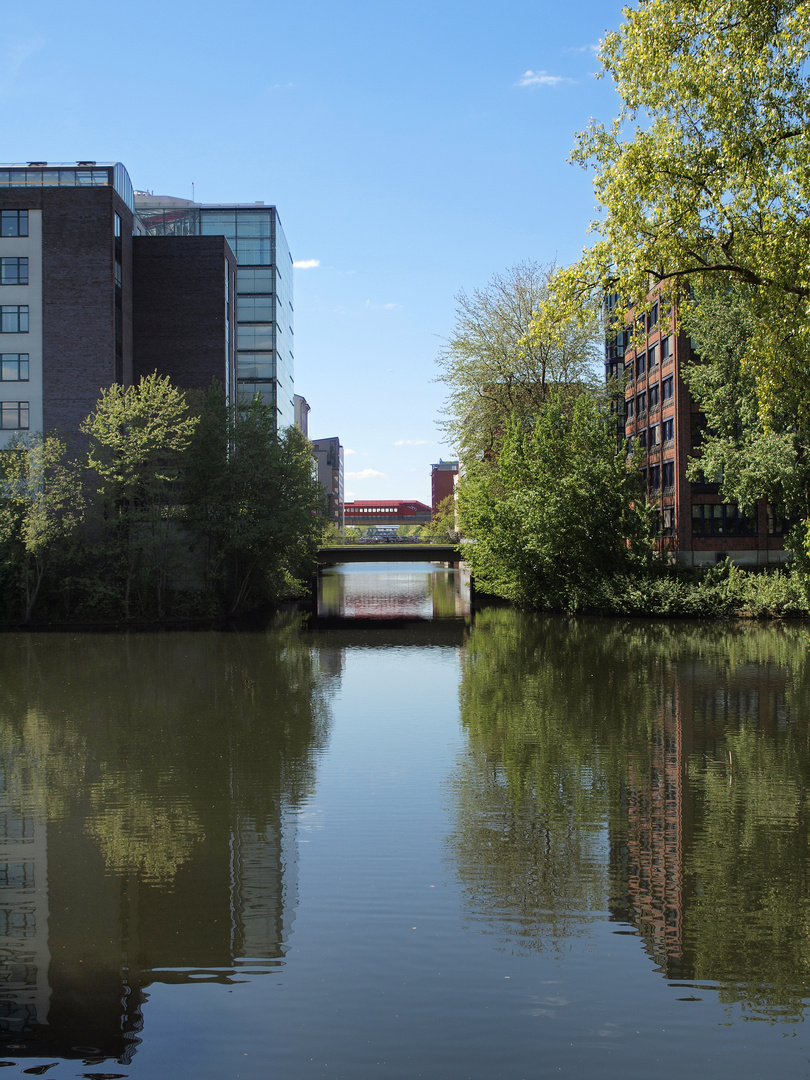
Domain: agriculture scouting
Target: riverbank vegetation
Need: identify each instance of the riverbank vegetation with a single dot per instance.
(703, 187)
(177, 507)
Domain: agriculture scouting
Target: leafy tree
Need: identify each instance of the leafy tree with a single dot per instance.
(254, 499)
(444, 522)
(558, 510)
(508, 346)
(138, 435)
(706, 170)
(755, 459)
(41, 507)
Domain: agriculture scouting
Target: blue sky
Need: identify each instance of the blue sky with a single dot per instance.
(412, 150)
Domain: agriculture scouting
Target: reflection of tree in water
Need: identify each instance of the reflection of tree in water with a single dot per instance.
(588, 737)
(159, 768)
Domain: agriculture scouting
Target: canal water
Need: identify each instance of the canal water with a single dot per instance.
(406, 843)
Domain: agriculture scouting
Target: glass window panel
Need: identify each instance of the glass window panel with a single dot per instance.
(67, 177)
(249, 252)
(256, 366)
(217, 222)
(255, 337)
(255, 280)
(255, 309)
(251, 223)
(50, 178)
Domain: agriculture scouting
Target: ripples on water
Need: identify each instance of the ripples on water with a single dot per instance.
(501, 847)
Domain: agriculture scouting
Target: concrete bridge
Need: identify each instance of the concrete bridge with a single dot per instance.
(382, 552)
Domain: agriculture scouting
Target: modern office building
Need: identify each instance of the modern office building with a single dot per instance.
(328, 454)
(264, 287)
(66, 299)
(659, 418)
(100, 287)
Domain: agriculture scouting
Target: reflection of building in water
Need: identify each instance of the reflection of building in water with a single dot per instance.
(653, 836)
(25, 993)
(78, 951)
(648, 858)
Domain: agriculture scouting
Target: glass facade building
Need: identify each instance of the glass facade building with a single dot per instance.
(264, 288)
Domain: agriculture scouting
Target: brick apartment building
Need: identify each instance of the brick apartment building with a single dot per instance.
(96, 290)
(658, 416)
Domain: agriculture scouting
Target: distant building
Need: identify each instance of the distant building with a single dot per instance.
(442, 482)
(329, 456)
(302, 411)
(392, 512)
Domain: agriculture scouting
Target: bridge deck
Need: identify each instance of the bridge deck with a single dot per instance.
(356, 553)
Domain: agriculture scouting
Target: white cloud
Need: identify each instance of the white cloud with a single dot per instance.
(382, 307)
(592, 49)
(347, 452)
(14, 59)
(542, 78)
(412, 442)
(364, 474)
(306, 264)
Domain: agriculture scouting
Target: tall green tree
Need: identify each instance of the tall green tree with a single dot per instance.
(507, 347)
(705, 171)
(137, 438)
(558, 511)
(41, 509)
(253, 500)
(754, 457)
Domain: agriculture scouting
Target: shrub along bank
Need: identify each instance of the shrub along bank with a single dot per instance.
(181, 507)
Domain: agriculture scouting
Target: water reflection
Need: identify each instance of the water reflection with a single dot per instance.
(144, 833)
(390, 591)
(659, 772)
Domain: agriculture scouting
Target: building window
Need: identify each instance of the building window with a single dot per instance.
(654, 396)
(721, 519)
(117, 224)
(631, 404)
(666, 389)
(668, 520)
(668, 475)
(652, 320)
(667, 431)
(13, 271)
(13, 367)
(666, 349)
(14, 319)
(13, 223)
(655, 477)
(652, 356)
(642, 440)
(14, 415)
(641, 403)
(641, 365)
(653, 438)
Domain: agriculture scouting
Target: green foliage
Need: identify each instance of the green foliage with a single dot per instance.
(755, 457)
(137, 437)
(705, 168)
(180, 512)
(254, 502)
(41, 508)
(509, 344)
(558, 511)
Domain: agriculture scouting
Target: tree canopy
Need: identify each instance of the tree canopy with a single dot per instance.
(507, 347)
(706, 168)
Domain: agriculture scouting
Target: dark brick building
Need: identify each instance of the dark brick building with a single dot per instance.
(92, 293)
(658, 416)
(184, 288)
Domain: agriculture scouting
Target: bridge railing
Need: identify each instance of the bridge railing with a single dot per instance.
(363, 541)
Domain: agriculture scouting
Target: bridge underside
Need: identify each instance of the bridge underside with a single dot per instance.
(370, 553)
